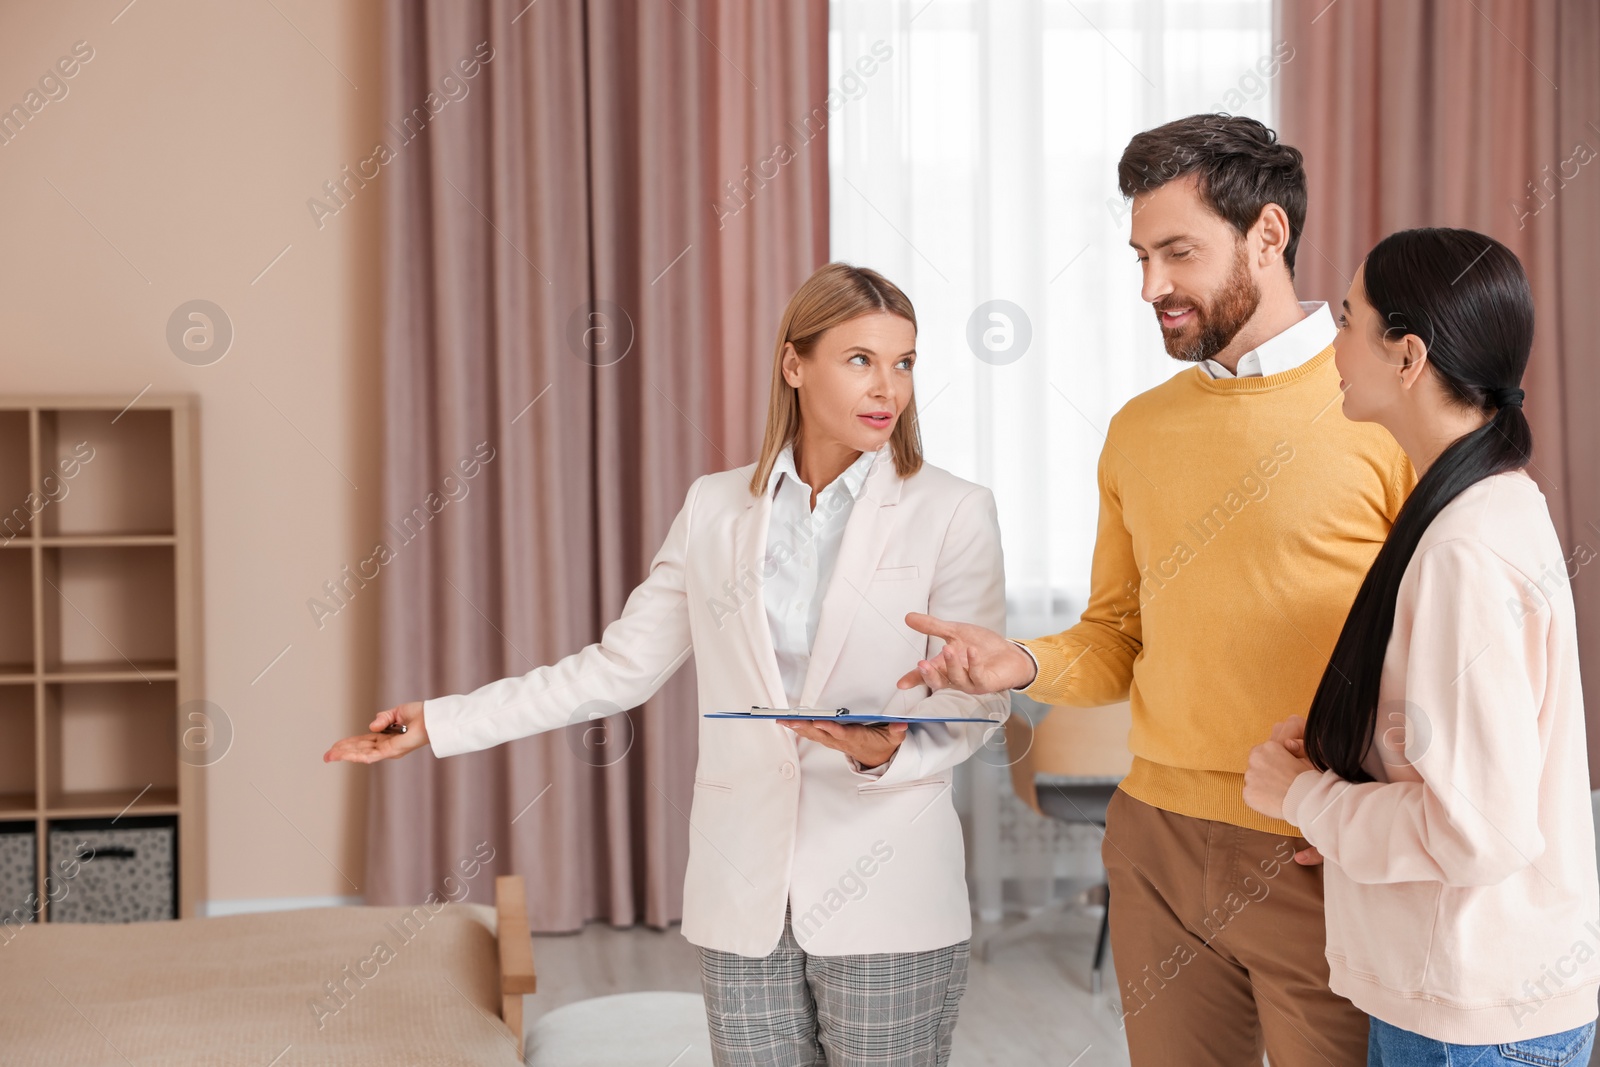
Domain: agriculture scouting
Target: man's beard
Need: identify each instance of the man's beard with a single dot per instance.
(1219, 322)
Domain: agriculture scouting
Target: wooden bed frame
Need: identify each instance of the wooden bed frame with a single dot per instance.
(516, 950)
(169, 965)
(147, 978)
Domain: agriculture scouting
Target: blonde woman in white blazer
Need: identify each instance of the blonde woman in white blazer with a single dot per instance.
(826, 880)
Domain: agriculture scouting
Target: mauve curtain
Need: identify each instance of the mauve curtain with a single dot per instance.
(1483, 114)
(586, 253)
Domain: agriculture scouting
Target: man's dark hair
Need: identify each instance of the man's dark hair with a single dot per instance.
(1241, 169)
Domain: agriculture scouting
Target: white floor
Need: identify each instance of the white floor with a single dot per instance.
(1029, 1004)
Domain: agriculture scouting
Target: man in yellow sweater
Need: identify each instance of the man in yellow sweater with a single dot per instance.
(1239, 512)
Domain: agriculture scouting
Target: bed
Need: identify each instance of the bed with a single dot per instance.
(408, 987)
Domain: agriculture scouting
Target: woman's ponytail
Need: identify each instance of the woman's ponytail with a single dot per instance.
(1467, 297)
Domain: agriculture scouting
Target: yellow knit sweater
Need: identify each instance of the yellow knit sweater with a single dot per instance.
(1238, 517)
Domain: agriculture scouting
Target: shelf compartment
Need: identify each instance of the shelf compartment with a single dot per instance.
(109, 612)
(106, 472)
(19, 872)
(115, 870)
(16, 613)
(17, 507)
(108, 743)
(17, 805)
(18, 782)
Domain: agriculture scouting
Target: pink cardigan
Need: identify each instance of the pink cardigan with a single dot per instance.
(1461, 892)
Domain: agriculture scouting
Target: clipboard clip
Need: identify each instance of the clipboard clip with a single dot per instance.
(756, 709)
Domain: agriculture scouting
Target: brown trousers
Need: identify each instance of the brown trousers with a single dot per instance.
(1217, 937)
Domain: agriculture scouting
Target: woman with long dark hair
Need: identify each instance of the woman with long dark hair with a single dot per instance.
(1442, 771)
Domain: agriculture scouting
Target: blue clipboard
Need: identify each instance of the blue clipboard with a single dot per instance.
(834, 715)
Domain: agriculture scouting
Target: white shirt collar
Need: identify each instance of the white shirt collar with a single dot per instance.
(1301, 342)
(852, 479)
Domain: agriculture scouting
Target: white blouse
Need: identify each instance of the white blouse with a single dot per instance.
(803, 545)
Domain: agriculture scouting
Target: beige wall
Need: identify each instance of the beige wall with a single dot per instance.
(190, 144)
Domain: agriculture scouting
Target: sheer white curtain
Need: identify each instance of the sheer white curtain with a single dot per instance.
(973, 150)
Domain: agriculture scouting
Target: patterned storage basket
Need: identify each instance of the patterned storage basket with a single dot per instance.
(19, 856)
(113, 870)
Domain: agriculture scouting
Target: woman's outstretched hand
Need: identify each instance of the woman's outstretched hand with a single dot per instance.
(377, 745)
(867, 744)
(974, 659)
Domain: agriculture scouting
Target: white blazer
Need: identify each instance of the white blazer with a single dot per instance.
(868, 864)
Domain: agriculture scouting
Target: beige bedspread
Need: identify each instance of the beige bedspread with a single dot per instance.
(335, 986)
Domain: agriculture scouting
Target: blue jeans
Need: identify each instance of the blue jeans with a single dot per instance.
(1390, 1046)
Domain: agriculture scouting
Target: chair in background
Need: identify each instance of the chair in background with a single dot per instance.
(1066, 767)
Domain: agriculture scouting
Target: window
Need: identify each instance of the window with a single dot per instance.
(973, 151)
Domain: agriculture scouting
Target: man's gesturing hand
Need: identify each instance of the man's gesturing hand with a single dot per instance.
(974, 659)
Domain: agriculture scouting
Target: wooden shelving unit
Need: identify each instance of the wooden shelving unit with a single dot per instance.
(100, 641)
